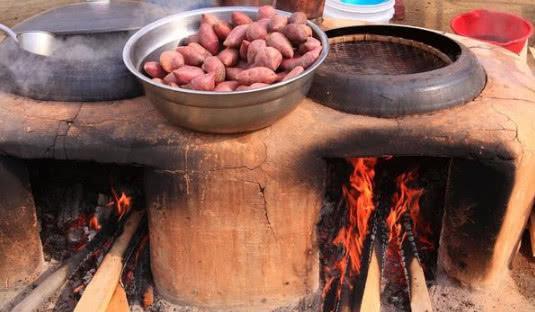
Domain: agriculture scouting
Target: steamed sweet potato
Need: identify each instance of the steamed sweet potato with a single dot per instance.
(297, 33)
(310, 44)
(214, 65)
(171, 60)
(257, 74)
(243, 49)
(298, 18)
(191, 38)
(172, 84)
(256, 31)
(239, 18)
(264, 22)
(266, 11)
(169, 78)
(205, 82)
(236, 36)
(294, 73)
(186, 73)
(208, 38)
(210, 19)
(222, 30)
(158, 80)
(199, 48)
(233, 72)
(253, 48)
(281, 43)
(191, 55)
(229, 56)
(278, 22)
(251, 87)
(304, 61)
(227, 86)
(268, 57)
(154, 70)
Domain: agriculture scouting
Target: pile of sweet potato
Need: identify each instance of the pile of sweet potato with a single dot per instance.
(240, 55)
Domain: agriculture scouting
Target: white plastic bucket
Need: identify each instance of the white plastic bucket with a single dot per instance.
(356, 8)
(374, 13)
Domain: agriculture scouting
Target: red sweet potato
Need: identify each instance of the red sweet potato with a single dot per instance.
(191, 38)
(199, 48)
(251, 87)
(253, 48)
(278, 22)
(268, 57)
(297, 33)
(236, 36)
(191, 55)
(298, 18)
(186, 73)
(171, 60)
(310, 44)
(227, 86)
(169, 78)
(243, 49)
(256, 31)
(264, 22)
(214, 65)
(208, 38)
(158, 80)
(266, 11)
(281, 43)
(154, 69)
(294, 73)
(210, 19)
(233, 72)
(257, 74)
(304, 61)
(239, 18)
(222, 30)
(203, 82)
(229, 56)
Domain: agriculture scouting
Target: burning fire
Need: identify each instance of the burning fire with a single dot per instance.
(122, 203)
(359, 196)
(351, 237)
(406, 199)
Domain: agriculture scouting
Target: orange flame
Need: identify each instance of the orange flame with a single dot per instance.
(94, 224)
(122, 203)
(406, 199)
(351, 237)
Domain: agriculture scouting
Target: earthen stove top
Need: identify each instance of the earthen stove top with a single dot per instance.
(263, 229)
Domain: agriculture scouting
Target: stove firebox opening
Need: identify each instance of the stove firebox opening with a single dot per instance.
(379, 231)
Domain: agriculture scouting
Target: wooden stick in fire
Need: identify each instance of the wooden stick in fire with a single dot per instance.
(99, 292)
(371, 298)
(57, 279)
(532, 232)
(418, 292)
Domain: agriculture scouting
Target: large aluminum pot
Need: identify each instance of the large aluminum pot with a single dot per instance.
(213, 112)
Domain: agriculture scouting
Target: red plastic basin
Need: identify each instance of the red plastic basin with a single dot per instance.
(504, 29)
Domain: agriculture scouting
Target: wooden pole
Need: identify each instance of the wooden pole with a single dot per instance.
(419, 294)
(371, 298)
(118, 302)
(532, 232)
(99, 292)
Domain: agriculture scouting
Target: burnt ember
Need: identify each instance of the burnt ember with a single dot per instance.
(379, 232)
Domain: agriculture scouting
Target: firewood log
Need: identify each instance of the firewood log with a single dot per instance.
(371, 299)
(118, 302)
(532, 231)
(99, 292)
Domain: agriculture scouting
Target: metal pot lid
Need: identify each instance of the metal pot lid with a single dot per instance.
(93, 17)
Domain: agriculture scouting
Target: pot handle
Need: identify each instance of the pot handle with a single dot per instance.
(9, 32)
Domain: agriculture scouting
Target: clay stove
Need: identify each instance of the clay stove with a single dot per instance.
(233, 219)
